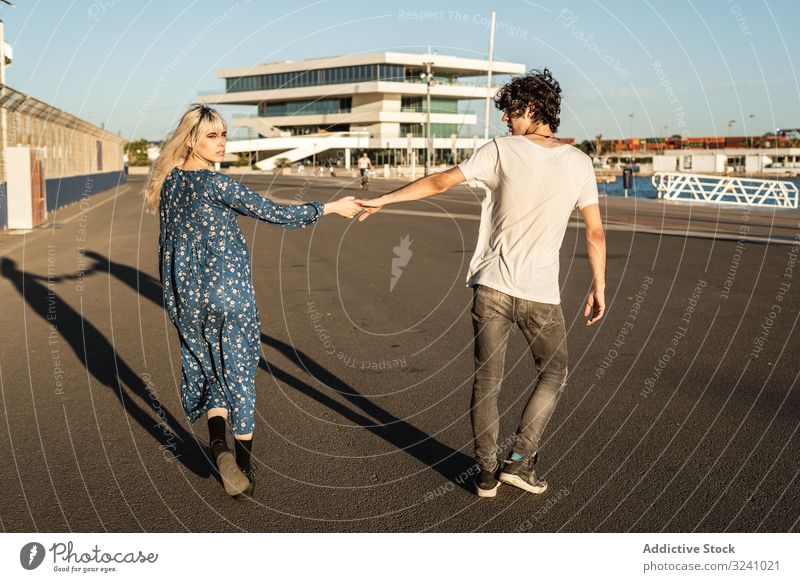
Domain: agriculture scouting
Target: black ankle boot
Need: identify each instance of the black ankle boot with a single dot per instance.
(217, 440)
(251, 476)
(217, 448)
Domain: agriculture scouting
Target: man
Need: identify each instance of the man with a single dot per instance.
(534, 183)
(364, 164)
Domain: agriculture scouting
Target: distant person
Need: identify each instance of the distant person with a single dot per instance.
(535, 182)
(207, 283)
(364, 164)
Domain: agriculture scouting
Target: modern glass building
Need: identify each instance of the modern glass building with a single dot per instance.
(377, 98)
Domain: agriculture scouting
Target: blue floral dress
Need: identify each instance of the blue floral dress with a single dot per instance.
(208, 287)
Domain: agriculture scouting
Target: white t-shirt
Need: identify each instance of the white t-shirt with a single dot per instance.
(363, 163)
(532, 191)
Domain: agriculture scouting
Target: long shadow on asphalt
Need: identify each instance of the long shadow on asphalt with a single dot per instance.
(448, 462)
(107, 367)
(149, 288)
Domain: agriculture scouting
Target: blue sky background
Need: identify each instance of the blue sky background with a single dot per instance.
(679, 67)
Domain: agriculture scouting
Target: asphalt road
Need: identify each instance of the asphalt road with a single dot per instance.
(680, 414)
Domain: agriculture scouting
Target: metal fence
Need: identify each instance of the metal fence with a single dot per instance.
(725, 190)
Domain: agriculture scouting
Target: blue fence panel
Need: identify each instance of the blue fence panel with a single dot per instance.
(63, 191)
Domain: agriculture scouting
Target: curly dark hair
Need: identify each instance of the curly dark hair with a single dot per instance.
(536, 88)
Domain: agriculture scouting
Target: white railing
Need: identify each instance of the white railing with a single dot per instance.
(725, 190)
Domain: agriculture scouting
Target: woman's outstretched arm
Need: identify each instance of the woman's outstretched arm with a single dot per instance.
(249, 203)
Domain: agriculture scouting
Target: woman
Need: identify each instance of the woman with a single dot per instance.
(207, 282)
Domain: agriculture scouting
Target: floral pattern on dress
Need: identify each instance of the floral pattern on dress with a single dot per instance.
(208, 290)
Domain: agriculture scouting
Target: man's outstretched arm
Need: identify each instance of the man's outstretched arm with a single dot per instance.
(422, 188)
(596, 248)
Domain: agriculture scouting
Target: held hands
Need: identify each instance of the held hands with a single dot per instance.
(369, 207)
(349, 207)
(595, 305)
(346, 207)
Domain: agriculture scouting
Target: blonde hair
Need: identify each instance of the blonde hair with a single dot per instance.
(197, 120)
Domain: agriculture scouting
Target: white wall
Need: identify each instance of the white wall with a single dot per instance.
(703, 164)
(756, 163)
(665, 163)
(698, 162)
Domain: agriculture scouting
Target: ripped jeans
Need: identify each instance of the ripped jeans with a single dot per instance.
(542, 324)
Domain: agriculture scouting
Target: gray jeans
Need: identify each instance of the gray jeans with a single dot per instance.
(542, 324)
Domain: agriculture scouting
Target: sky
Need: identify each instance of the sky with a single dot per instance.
(643, 68)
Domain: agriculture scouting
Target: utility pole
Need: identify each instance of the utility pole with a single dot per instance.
(427, 76)
(489, 77)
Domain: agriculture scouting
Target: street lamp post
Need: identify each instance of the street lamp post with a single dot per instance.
(489, 76)
(427, 76)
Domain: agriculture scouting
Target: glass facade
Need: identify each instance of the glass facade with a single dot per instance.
(413, 75)
(438, 104)
(309, 129)
(308, 107)
(331, 76)
(437, 129)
